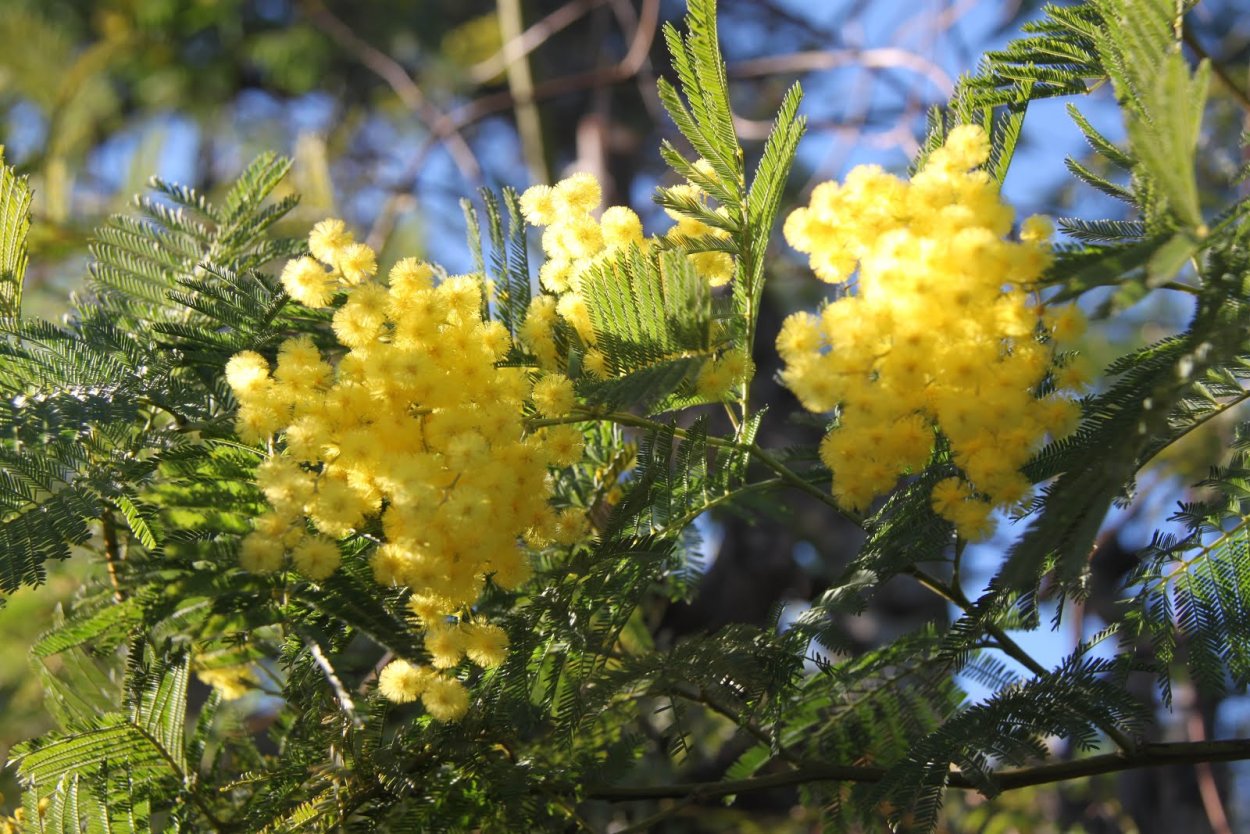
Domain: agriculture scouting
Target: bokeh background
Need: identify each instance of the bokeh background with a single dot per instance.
(393, 110)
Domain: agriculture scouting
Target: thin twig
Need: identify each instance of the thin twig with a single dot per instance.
(1005, 642)
(517, 47)
(1236, 90)
(114, 553)
(880, 58)
(340, 691)
(398, 79)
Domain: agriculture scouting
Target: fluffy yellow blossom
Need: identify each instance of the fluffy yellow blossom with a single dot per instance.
(553, 395)
(485, 644)
(316, 557)
(261, 554)
(307, 282)
(329, 238)
(621, 227)
(247, 372)
(445, 645)
(942, 333)
(539, 205)
(356, 262)
(571, 526)
(445, 699)
(596, 364)
(402, 683)
(578, 193)
(564, 444)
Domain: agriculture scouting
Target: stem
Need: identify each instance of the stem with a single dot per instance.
(955, 596)
(1238, 92)
(113, 554)
(1147, 755)
(624, 419)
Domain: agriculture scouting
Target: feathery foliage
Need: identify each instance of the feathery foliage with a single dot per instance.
(194, 695)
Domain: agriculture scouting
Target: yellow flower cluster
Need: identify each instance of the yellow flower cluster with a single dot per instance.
(444, 698)
(573, 241)
(942, 333)
(414, 430)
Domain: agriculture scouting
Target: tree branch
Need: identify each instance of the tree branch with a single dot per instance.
(397, 78)
(1236, 90)
(1148, 755)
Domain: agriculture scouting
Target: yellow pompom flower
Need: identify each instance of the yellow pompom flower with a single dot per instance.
(565, 445)
(232, 682)
(307, 282)
(416, 429)
(316, 557)
(578, 193)
(445, 699)
(596, 363)
(247, 373)
(402, 683)
(329, 238)
(485, 644)
(621, 227)
(411, 275)
(553, 395)
(538, 205)
(445, 645)
(261, 554)
(356, 262)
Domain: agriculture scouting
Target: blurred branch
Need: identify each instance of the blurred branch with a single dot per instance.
(1236, 90)
(1207, 789)
(517, 47)
(1149, 755)
(521, 85)
(881, 58)
(397, 78)
(624, 70)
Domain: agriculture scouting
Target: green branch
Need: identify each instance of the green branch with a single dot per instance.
(620, 418)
